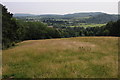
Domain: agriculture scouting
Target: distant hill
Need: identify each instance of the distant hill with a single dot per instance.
(83, 14)
(93, 17)
(51, 16)
(90, 14)
(66, 15)
(20, 15)
(102, 18)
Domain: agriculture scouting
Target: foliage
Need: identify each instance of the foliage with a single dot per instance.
(9, 29)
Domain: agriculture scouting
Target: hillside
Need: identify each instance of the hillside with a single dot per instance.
(102, 18)
(69, 15)
(89, 14)
(74, 19)
(22, 15)
(78, 57)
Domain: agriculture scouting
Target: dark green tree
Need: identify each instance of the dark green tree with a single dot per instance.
(9, 29)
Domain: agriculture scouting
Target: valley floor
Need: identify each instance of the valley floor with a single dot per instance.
(78, 57)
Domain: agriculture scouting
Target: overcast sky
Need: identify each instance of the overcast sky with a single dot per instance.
(42, 7)
(59, 0)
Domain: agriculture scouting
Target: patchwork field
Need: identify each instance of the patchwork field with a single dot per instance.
(89, 25)
(80, 57)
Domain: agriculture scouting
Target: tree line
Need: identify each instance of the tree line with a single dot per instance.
(14, 30)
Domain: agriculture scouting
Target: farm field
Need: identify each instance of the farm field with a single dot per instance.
(78, 57)
(88, 25)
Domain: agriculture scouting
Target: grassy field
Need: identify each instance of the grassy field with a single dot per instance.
(80, 57)
(88, 25)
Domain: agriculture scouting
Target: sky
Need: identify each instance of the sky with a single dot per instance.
(61, 7)
(59, 0)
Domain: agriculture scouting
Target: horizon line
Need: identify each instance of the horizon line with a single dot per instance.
(64, 13)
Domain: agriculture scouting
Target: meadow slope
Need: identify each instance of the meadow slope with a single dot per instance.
(78, 57)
